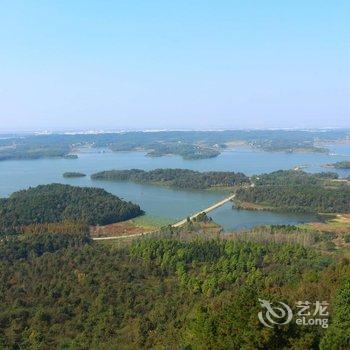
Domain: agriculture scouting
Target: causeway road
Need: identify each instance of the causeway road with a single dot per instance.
(177, 224)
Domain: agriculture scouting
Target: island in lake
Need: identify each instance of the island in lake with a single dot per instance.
(179, 178)
(70, 156)
(70, 174)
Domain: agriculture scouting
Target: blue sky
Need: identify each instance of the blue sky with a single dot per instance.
(174, 64)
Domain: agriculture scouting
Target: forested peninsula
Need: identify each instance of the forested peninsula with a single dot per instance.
(180, 178)
(56, 202)
(296, 191)
(340, 165)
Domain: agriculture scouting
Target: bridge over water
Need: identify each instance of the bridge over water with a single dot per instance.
(206, 211)
(177, 224)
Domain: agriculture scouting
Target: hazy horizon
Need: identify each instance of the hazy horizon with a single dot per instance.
(106, 131)
(185, 65)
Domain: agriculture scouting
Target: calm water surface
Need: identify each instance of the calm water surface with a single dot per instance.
(164, 202)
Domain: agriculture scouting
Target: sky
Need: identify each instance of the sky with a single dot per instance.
(185, 64)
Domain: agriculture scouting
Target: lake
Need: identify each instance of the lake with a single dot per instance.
(160, 202)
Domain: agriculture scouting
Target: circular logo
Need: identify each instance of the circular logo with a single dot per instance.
(272, 315)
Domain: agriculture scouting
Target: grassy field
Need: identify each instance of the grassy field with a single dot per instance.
(337, 227)
(151, 222)
(339, 224)
(134, 226)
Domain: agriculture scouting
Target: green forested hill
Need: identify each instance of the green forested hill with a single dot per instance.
(56, 202)
(61, 291)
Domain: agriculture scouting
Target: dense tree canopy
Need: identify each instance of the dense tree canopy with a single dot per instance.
(181, 178)
(338, 335)
(293, 178)
(62, 291)
(298, 191)
(56, 202)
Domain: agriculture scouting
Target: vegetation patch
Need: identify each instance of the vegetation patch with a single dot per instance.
(170, 292)
(73, 174)
(125, 228)
(186, 150)
(297, 191)
(180, 178)
(340, 165)
(187, 144)
(56, 202)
